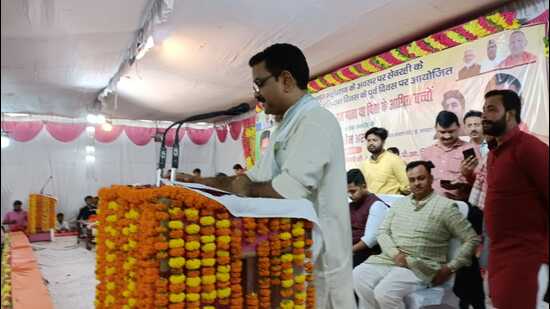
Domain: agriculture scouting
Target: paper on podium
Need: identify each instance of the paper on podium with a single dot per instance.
(264, 208)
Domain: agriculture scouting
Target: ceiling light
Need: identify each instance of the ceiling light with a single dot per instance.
(107, 127)
(90, 149)
(5, 140)
(100, 119)
(91, 118)
(90, 129)
(90, 159)
(148, 45)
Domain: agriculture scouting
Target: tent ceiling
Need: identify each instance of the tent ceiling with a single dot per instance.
(58, 54)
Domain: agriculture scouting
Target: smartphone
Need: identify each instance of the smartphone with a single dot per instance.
(469, 153)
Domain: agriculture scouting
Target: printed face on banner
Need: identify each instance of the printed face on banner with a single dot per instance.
(406, 98)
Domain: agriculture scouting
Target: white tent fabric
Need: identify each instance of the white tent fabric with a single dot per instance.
(26, 166)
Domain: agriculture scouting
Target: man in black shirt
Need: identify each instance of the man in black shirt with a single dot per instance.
(88, 210)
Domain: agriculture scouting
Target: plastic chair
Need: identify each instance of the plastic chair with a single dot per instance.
(441, 296)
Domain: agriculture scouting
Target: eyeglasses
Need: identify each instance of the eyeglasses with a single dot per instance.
(259, 83)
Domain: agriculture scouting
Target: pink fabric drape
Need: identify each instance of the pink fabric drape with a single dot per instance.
(65, 132)
(171, 136)
(103, 136)
(221, 132)
(235, 129)
(199, 136)
(139, 135)
(22, 131)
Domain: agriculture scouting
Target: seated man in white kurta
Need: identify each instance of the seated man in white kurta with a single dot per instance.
(305, 160)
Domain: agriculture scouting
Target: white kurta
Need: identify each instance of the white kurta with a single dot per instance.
(312, 166)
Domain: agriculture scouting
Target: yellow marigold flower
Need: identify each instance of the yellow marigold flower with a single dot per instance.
(177, 298)
(207, 220)
(288, 270)
(225, 239)
(176, 279)
(111, 218)
(299, 257)
(223, 277)
(299, 307)
(191, 213)
(298, 232)
(287, 283)
(287, 257)
(176, 243)
(299, 224)
(193, 282)
(287, 304)
(224, 268)
(109, 299)
(209, 262)
(224, 293)
(132, 302)
(110, 270)
(125, 231)
(132, 274)
(132, 214)
(110, 286)
(112, 205)
(209, 247)
(126, 266)
(126, 294)
(132, 228)
(113, 232)
(208, 239)
(192, 245)
(125, 247)
(110, 257)
(208, 307)
(193, 264)
(300, 278)
(109, 244)
(223, 224)
(222, 253)
(285, 236)
(175, 225)
(209, 295)
(174, 211)
(300, 295)
(298, 244)
(192, 229)
(131, 286)
(132, 244)
(176, 262)
(210, 279)
(193, 297)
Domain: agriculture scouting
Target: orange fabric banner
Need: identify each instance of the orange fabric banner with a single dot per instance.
(28, 289)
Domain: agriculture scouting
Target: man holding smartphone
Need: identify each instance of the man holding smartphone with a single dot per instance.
(447, 156)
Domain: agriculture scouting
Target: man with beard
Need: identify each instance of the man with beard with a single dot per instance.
(447, 156)
(384, 171)
(471, 68)
(516, 206)
(367, 212)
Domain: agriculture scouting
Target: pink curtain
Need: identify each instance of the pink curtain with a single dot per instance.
(199, 136)
(22, 131)
(103, 136)
(235, 129)
(139, 135)
(221, 132)
(171, 136)
(65, 132)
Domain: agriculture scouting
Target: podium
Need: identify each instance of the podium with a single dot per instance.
(177, 247)
(41, 216)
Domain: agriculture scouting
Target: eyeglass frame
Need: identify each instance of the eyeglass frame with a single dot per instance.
(258, 83)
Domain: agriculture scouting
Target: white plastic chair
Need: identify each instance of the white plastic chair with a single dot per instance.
(441, 296)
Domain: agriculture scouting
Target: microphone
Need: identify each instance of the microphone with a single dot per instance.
(44, 186)
(233, 111)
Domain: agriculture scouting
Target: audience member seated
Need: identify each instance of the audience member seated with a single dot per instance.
(367, 212)
(197, 172)
(16, 220)
(384, 171)
(60, 224)
(414, 238)
(221, 175)
(88, 209)
(238, 169)
(447, 155)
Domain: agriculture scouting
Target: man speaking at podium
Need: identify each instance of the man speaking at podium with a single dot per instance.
(304, 160)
